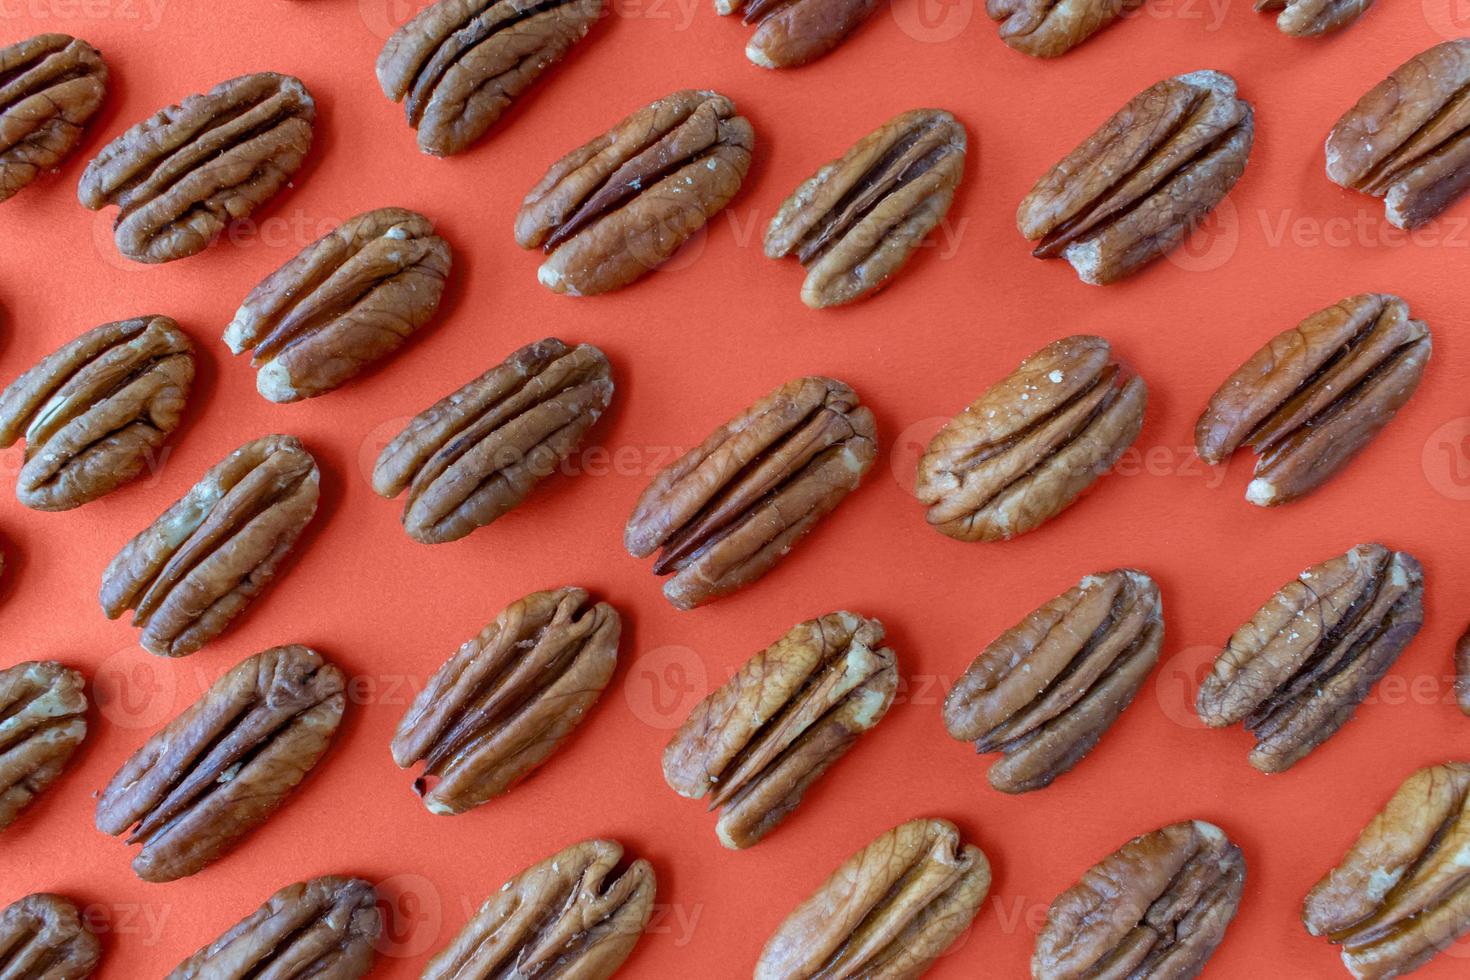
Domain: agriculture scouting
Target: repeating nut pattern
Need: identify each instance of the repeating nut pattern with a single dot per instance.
(789, 33)
(1048, 28)
(42, 937)
(50, 85)
(1310, 18)
(43, 718)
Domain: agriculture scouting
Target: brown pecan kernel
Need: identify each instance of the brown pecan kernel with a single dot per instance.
(50, 85)
(1135, 188)
(1462, 671)
(474, 455)
(208, 556)
(1309, 18)
(43, 718)
(220, 768)
(579, 913)
(792, 32)
(1045, 691)
(43, 937)
(724, 514)
(182, 175)
(93, 413)
(887, 913)
(1299, 669)
(618, 207)
(1156, 907)
(856, 221)
(1048, 28)
(755, 745)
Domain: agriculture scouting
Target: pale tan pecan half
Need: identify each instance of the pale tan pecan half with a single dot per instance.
(1135, 188)
(756, 744)
(1462, 671)
(1298, 670)
(855, 222)
(1157, 907)
(43, 937)
(182, 175)
(324, 928)
(474, 455)
(224, 765)
(94, 413)
(1028, 447)
(723, 514)
(887, 913)
(1048, 28)
(579, 913)
(43, 718)
(1044, 692)
(789, 33)
(1310, 18)
(208, 556)
(616, 208)
(50, 85)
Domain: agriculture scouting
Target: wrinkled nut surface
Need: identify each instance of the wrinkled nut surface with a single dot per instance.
(1462, 671)
(856, 221)
(220, 768)
(324, 928)
(1315, 395)
(1309, 18)
(793, 32)
(1157, 907)
(756, 744)
(208, 556)
(1135, 188)
(42, 937)
(618, 207)
(181, 176)
(1048, 28)
(1048, 688)
(725, 513)
(50, 85)
(351, 297)
(474, 455)
(1028, 447)
(887, 913)
(43, 718)
(1298, 670)
(579, 913)
(94, 413)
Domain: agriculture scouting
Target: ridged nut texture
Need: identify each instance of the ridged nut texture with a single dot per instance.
(1462, 672)
(50, 85)
(1311, 18)
(789, 33)
(1048, 28)
(43, 937)
(43, 718)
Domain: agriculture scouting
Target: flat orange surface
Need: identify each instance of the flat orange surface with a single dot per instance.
(690, 346)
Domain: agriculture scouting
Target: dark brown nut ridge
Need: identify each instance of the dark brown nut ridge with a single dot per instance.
(724, 514)
(1157, 907)
(1298, 670)
(756, 744)
(1309, 18)
(856, 221)
(1135, 188)
(1462, 671)
(618, 207)
(208, 556)
(43, 718)
(182, 175)
(793, 32)
(42, 937)
(1048, 28)
(50, 85)
(473, 456)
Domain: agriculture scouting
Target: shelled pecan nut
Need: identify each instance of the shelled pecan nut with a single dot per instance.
(616, 208)
(1298, 670)
(789, 33)
(725, 513)
(1135, 188)
(1029, 446)
(1157, 907)
(43, 937)
(220, 768)
(1462, 671)
(1048, 28)
(182, 175)
(756, 744)
(579, 913)
(50, 85)
(94, 413)
(887, 913)
(1316, 394)
(1309, 18)
(43, 718)
(1046, 690)
(855, 222)
(208, 556)
(474, 455)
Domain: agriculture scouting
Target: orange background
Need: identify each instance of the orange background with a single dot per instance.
(691, 346)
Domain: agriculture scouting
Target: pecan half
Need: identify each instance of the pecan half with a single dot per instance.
(474, 455)
(888, 912)
(182, 175)
(579, 913)
(43, 937)
(1045, 691)
(1156, 907)
(1028, 447)
(94, 412)
(1299, 669)
(351, 297)
(792, 32)
(855, 222)
(725, 513)
(1462, 671)
(208, 556)
(618, 207)
(1316, 394)
(1048, 28)
(43, 718)
(219, 769)
(1135, 188)
(1309, 18)
(50, 85)
(754, 745)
